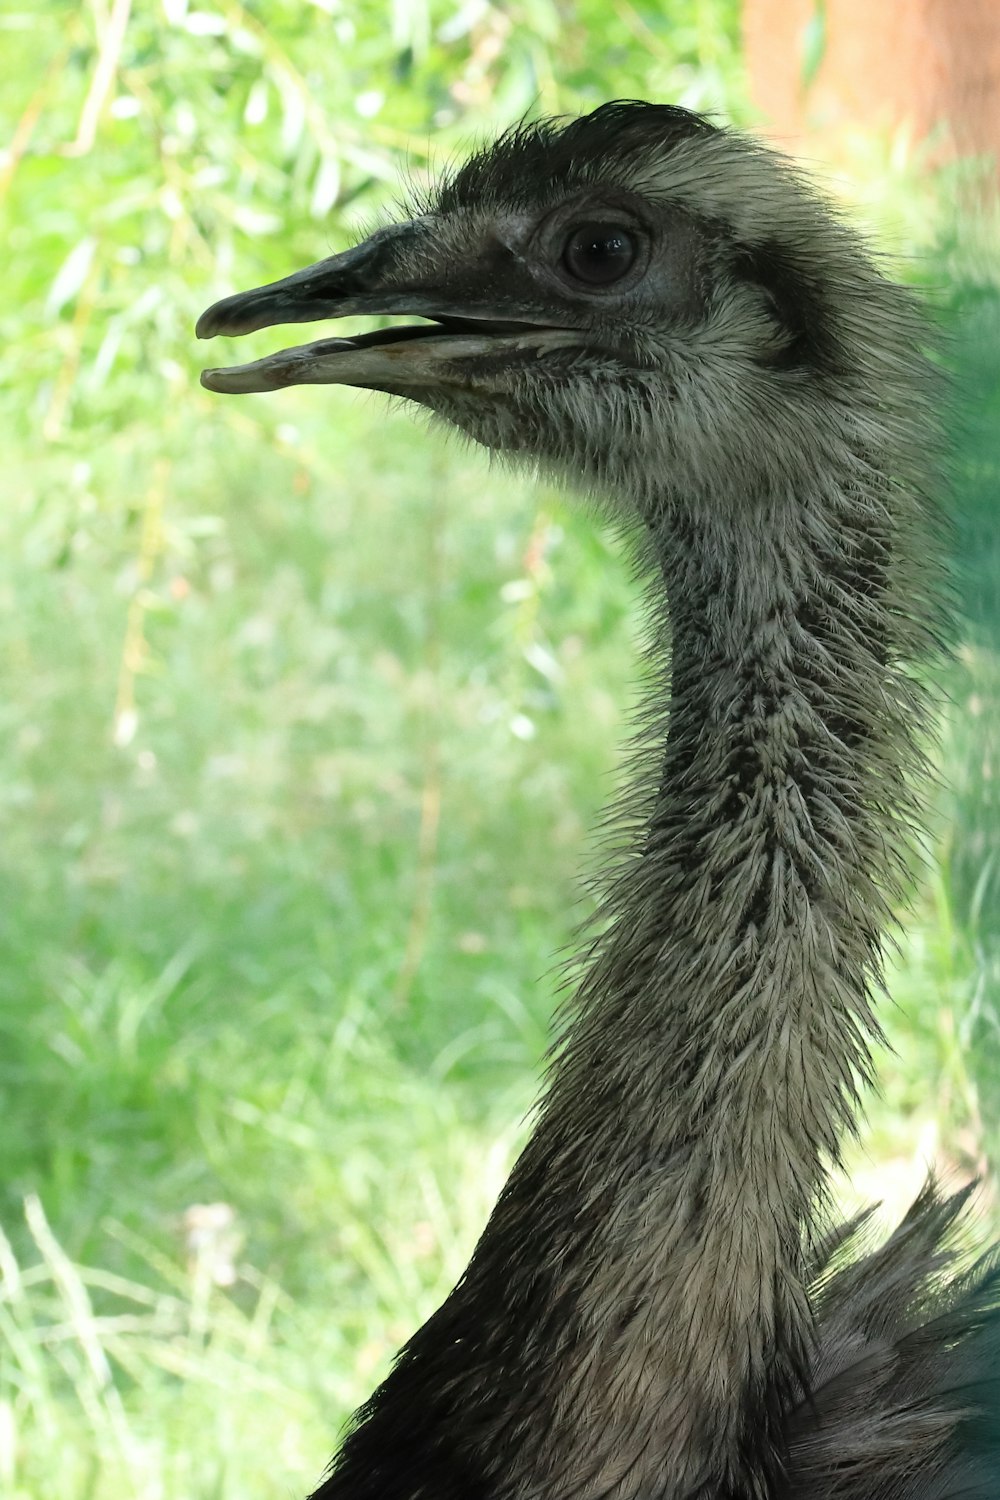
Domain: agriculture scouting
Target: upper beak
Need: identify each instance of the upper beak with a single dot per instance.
(358, 281)
(367, 280)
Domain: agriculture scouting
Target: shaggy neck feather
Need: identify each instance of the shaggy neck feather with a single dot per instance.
(725, 1020)
(648, 1248)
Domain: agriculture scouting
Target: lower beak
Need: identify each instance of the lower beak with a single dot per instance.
(434, 360)
(368, 280)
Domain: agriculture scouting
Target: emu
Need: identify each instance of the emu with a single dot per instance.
(665, 314)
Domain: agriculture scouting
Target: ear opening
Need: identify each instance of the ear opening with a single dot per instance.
(797, 304)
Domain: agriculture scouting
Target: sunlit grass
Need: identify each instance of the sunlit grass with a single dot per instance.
(279, 948)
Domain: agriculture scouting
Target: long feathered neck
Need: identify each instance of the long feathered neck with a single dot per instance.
(635, 1320)
(725, 1019)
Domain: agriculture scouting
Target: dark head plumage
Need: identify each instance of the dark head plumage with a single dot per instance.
(564, 155)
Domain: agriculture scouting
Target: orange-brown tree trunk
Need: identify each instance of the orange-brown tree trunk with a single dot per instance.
(931, 67)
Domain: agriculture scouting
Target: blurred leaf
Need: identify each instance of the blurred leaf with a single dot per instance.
(813, 51)
(70, 276)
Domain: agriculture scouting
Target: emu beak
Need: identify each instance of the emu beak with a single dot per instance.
(370, 279)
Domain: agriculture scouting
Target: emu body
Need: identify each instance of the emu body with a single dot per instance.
(667, 316)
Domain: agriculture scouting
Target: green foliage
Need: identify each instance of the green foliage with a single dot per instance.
(814, 40)
(970, 843)
(304, 717)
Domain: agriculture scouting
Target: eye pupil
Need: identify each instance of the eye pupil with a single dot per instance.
(599, 254)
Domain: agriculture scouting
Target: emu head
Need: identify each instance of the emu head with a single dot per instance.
(654, 307)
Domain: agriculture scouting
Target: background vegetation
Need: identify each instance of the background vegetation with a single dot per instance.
(304, 719)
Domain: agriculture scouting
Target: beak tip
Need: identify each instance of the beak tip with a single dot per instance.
(230, 315)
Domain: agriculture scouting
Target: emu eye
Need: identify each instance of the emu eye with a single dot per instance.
(598, 253)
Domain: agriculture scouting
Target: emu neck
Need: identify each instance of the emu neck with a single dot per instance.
(744, 944)
(635, 1317)
(726, 1018)
(749, 912)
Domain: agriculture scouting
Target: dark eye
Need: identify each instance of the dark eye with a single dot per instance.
(599, 253)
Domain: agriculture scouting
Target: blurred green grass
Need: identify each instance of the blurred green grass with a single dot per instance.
(287, 944)
(305, 716)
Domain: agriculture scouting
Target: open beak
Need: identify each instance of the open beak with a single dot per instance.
(403, 360)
